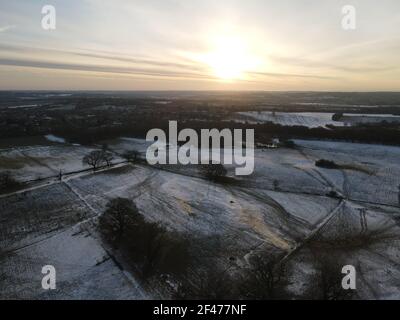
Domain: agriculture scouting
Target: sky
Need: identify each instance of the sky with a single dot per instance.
(200, 45)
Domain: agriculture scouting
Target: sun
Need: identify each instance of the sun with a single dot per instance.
(229, 58)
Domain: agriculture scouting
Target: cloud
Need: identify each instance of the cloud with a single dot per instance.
(133, 66)
(112, 58)
(144, 61)
(291, 75)
(6, 28)
(102, 69)
(356, 67)
(140, 66)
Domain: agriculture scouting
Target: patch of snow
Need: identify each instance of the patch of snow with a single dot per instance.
(306, 119)
(54, 138)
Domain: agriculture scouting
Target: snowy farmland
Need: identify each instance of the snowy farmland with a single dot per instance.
(305, 119)
(30, 163)
(314, 119)
(285, 208)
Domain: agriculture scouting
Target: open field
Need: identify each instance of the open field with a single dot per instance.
(306, 119)
(316, 119)
(284, 209)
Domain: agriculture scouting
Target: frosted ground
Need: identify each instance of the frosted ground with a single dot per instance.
(283, 209)
(306, 119)
(314, 119)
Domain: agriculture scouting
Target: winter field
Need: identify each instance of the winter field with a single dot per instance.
(306, 119)
(315, 119)
(288, 207)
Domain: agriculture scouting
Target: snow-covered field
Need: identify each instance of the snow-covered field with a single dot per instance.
(306, 119)
(39, 162)
(30, 163)
(50, 225)
(314, 119)
(373, 173)
(353, 118)
(283, 208)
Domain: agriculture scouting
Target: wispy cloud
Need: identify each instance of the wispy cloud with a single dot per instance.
(102, 69)
(140, 66)
(6, 28)
(98, 62)
(154, 43)
(291, 75)
(356, 67)
(187, 65)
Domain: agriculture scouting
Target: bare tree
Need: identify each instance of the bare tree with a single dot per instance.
(328, 264)
(94, 159)
(119, 215)
(265, 280)
(132, 155)
(108, 157)
(329, 280)
(147, 245)
(207, 284)
(7, 182)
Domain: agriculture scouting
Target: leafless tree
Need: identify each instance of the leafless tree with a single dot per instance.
(329, 280)
(147, 245)
(119, 215)
(328, 263)
(94, 159)
(7, 182)
(132, 155)
(264, 280)
(207, 284)
(108, 157)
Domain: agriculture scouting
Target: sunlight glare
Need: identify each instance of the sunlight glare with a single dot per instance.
(230, 58)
